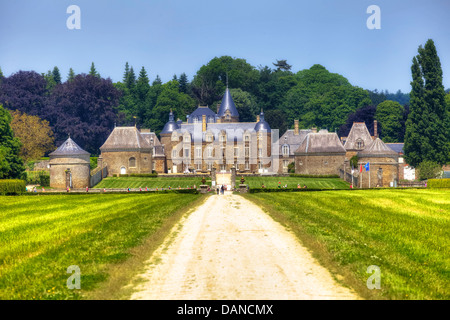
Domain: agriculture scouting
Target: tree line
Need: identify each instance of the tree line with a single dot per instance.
(87, 106)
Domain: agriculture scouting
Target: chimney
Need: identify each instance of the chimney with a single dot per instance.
(296, 127)
(375, 129)
(257, 118)
(203, 123)
(314, 130)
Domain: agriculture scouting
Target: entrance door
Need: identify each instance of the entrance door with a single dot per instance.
(174, 169)
(123, 170)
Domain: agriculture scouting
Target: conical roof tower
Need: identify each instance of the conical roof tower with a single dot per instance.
(228, 110)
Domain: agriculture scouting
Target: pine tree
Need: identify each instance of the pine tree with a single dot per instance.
(71, 75)
(127, 71)
(157, 81)
(426, 137)
(56, 75)
(1, 75)
(131, 79)
(142, 84)
(11, 165)
(93, 71)
(183, 83)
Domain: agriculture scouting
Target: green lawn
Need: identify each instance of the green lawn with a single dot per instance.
(253, 182)
(151, 183)
(404, 232)
(42, 235)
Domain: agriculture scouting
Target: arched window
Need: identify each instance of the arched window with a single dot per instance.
(132, 162)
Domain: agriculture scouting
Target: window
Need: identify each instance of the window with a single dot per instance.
(209, 137)
(186, 153)
(132, 162)
(247, 151)
(285, 163)
(209, 152)
(359, 144)
(195, 120)
(247, 138)
(223, 138)
(199, 166)
(210, 119)
(285, 150)
(187, 138)
(236, 151)
(247, 165)
(260, 152)
(209, 166)
(174, 153)
(223, 167)
(198, 152)
(153, 165)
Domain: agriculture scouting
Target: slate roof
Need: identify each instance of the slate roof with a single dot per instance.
(377, 148)
(322, 142)
(397, 147)
(227, 104)
(125, 138)
(199, 112)
(196, 128)
(69, 148)
(148, 136)
(171, 125)
(294, 141)
(358, 131)
(262, 124)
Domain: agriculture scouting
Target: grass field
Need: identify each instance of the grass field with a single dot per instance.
(42, 235)
(253, 182)
(404, 232)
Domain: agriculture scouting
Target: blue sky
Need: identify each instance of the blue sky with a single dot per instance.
(175, 36)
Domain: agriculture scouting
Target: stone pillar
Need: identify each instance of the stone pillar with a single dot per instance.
(213, 176)
(233, 177)
(100, 165)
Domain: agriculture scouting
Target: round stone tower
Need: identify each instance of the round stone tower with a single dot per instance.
(69, 166)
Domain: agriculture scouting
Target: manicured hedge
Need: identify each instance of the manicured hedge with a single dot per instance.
(12, 187)
(438, 183)
(296, 175)
(260, 190)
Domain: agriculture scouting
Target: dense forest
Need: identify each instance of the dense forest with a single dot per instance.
(87, 106)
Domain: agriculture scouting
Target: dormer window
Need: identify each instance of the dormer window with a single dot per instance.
(359, 144)
(285, 150)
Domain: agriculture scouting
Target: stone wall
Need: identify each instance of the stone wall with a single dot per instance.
(383, 171)
(79, 167)
(115, 160)
(319, 164)
(97, 175)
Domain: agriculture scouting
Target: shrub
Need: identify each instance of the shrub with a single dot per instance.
(429, 170)
(296, 175)
(44, 180)
(291, 167)
(12, 186)
(438, 183)
(144, 175)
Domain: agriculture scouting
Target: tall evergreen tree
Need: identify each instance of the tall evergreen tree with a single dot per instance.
(127, 71)
(157, 81)
(11, 165)
(56, 75)
(183, 81)
(1, 75)
(426, 137)
(71, 75)
(93, 71)
(131, 79)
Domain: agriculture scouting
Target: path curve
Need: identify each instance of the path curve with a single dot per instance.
(228, 248)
